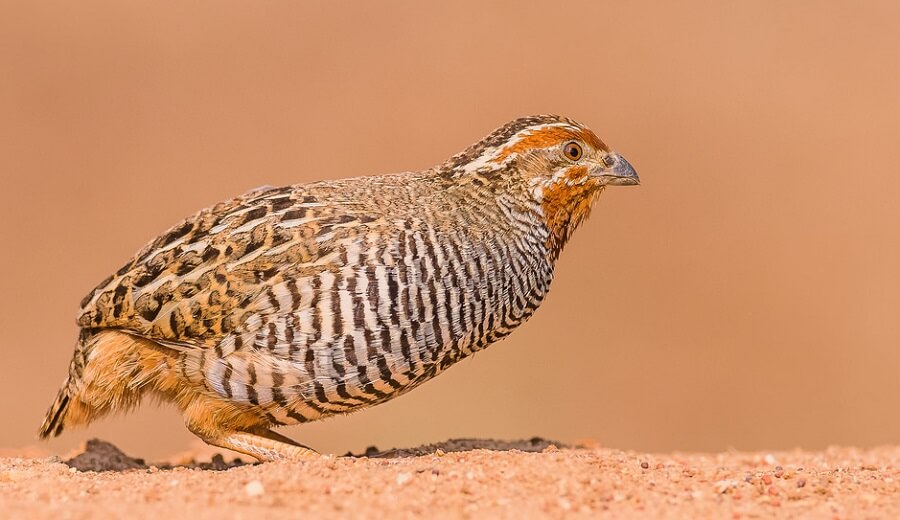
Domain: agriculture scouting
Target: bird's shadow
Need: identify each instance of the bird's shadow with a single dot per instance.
(100, 455)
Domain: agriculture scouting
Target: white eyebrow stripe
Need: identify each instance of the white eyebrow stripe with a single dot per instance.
(489, 157)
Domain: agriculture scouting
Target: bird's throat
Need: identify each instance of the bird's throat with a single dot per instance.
(565, 208)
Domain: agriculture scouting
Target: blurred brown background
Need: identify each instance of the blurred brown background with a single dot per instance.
(747, 295)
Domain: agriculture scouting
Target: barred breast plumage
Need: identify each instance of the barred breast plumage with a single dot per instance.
(290, 304)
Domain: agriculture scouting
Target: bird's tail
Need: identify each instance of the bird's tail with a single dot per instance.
(110, 370)
(54, 422)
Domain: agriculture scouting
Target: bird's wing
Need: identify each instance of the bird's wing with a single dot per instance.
(212, 275)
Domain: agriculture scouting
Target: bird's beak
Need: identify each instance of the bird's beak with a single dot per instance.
(616, 171)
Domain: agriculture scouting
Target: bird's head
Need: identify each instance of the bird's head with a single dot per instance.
(559, 164)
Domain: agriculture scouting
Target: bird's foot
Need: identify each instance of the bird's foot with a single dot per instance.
(265, 445)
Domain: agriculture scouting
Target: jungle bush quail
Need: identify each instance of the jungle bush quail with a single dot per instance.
(288, 305)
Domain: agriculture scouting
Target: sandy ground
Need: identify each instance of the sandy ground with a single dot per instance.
(462, 478)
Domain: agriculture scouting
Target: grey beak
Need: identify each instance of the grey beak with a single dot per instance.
(621, 173)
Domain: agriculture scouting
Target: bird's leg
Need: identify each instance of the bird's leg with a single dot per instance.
(265, 445)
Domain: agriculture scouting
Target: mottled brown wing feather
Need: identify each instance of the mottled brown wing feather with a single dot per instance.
(195, 284)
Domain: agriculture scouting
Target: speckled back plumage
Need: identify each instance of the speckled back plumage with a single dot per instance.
(294, 303)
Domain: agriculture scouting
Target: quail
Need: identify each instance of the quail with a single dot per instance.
(287, 305)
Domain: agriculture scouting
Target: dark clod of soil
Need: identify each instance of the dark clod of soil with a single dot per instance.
(102, 456)
(532, 445)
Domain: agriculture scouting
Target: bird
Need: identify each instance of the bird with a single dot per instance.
(290, 304)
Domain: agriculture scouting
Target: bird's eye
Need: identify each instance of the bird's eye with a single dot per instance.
(572, 151)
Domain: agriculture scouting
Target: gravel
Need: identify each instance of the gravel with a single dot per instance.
(462, 478)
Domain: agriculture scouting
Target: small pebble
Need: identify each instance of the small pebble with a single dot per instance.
(724, 486)
(801, 482)
(767, 479)
(254, 488)
(645, 465)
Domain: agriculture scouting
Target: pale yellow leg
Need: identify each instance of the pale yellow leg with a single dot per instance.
(264, 445)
